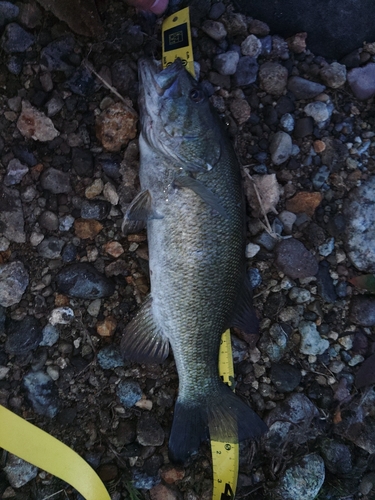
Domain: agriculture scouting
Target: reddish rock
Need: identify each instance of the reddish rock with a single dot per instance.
(33, 124)
(107, 327)
(87, 228)
(304, 202)
(116, 126)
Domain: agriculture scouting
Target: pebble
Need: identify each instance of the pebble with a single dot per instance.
(287, 122)
(149, 431)
(333, 75)
(226, 64)
(55, 55)
(16, 39)
(360, 226)
(54, 106)
(116, 126)
(255, 277)
(87, 228)
(321, 176)
(214, 30)
(33, 124)
(11, 215)
(42, 393)
(304, 89)
(107, 327)
(251, 46)
(318, 111)
(240, 110)
(50, 335)
(362, 81)
(303, 127)
(295, 409)
(325, 284)
(327, 247)
(8, 12)
(83, 162)
(251, 250)
(55, 181)
(162, 492)
(303, 480)
(114, 248)
(129, 392)
(94, 307)
(110, 193)
(50, 248)
(299, 295)
(273, 78)
(18, 471)
(94, 189)
(285, 377)
(362, 310)
(294, 260)
(61, 316)
(15, 172)
(311, 341)
(216, 11)
(304, 202)
(23, 336)
(280, 147)
(95, 209)
(48, 220)
(143, 481)
(110, 358)
(287, 219)
(14, 280)
(247, 71)
(65, 223)
(69, 253)
(83, 281)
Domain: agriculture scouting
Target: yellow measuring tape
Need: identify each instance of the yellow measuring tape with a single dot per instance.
(48, 453)
(176, 42)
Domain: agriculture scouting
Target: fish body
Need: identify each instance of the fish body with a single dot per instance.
(192, 203)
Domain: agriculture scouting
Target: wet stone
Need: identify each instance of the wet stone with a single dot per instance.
(14, 280)
(362, 310)
(247, 71)
(95, 209)
(16, 39)
(19, 472)
(15, 172)
(294, 260)
(50, 248)
(42, 393)
(23, 336)
(304, 89)
(311, 341)
(285, 377)
(110, 358)
(83, 281)
(129, 392)
(149, 431)
(55, 181)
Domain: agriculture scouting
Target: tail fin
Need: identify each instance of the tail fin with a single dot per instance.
(222, 416)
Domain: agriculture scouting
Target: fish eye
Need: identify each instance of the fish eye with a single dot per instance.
(196, 95)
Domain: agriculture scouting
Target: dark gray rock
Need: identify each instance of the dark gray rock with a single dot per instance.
(50, 248)
(15, 172)
(337, 457)
(226, 64)
(18, 471)
(24, 155)
(303, 127)
(255, 277)
(362, 81)
(83, 281)
(83, 162)
(50, 335)
(129, 392)
(294, 260)
(14, 280)
(48, 220)
(142, 481)
(326, 288)
(82, 82)
(16, 39)
(11, 215)
(216, 11)
(55, 181)
(95, 209)
(296, 409)
(110, 357)
(8, 12)
(304, 89)
(15, 64)
(23, 336)
(149, 431)
(54, 56)
(247, 71)
(69, 253)
(123, 75)
(42, 393)
(285, 377)
(362, 310)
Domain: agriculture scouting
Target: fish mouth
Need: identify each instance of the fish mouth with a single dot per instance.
(158, 82)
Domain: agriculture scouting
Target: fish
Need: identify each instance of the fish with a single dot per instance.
(192, 203)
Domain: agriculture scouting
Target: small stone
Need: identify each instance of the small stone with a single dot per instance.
(8, 12)
(23, 336)
(285, 377)
(33, 124)
(226, 64)
(107, 327)
(107, 472)
(110, 358)
(287, 219)
(65, 223)
(327, 247)
(258, 28)
(55, 181)
(318, 111)
(294, 260)
(304, 89)
(287, 122)
(251, 250)
(55, 55)
(251, 46)
(362, 81)
(280, 147)
(54, 106)
(48, 220)
(247, 71)
(50, 335)
(171, 474)
(311, 341)
(356, 360)
(42, 393)
(116, 126)
(362, 310)
(110, 193)
(16, 39)
(273, 78)
(19, 472)
(94, 308)
(149, 431)
(11, 215)
(324, 280)
(83, 162)
(299, 295)
(61, 316)
(162, 492)
(87, 228)
(14, 280)
(128, 392)
(304, 202)
(50, 248)
(94, 189)
(114, 248)
(15, 172)
(303, 127)
(214, 30)
(297, 43)
(83, 281)
(95, 209)
(142, 481)
(216, 11)
(240, 110)
(321, 176)
(4, 244)
(333, 75)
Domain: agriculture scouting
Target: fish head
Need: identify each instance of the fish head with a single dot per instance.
(176, 116)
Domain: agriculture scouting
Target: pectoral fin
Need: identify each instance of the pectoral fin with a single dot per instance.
(138, 213)
(244, 316)
(143, 341)
(203, 192)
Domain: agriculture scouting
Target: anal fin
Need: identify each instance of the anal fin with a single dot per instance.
(143, 341)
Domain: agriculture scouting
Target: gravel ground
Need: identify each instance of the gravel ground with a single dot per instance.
(69, 280)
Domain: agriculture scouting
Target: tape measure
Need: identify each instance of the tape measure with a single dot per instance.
(176, 42)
